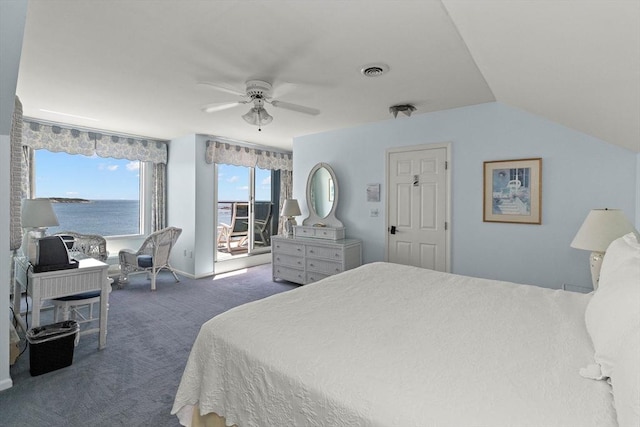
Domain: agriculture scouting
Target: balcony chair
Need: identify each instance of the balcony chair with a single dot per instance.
(80, 307)
(152, 256)
(238, 230)
(261, 226)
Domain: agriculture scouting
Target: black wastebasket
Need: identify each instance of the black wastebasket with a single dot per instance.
(51, 346)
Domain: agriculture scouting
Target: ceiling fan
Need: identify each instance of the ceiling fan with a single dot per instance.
(257, 92)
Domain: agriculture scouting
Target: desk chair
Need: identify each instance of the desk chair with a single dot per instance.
(80, 307)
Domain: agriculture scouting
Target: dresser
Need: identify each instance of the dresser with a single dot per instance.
(305, 260)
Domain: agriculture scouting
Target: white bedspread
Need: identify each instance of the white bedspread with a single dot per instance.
(391, 345)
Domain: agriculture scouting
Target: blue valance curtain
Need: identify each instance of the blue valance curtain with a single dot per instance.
(73, 141)
(229, 154)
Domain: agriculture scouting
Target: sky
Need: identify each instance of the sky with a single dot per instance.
(98, 178)
(233, 183)
(92, 178)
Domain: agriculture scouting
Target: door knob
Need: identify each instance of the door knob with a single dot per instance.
(392, 230)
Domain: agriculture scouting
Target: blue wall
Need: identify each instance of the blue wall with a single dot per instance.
(579, 173)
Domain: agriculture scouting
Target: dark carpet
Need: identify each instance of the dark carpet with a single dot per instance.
(133, 381)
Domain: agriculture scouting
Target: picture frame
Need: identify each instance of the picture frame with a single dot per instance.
(373, 192)
(512, 191)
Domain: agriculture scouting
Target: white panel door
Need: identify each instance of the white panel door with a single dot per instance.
(417, 207)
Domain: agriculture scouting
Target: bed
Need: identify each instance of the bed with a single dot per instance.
(393, 345)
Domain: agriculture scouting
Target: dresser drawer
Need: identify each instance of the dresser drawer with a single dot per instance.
(328, 233)
(290, 274)
(305, 232)
(288, 260)
(324, 252)
(324, 266)
(285, 247)
(314, 277)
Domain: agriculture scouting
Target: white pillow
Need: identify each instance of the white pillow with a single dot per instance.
(618, 253)
(612, 318)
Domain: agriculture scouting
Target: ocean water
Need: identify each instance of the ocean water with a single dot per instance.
(102, 217)
(108, 217)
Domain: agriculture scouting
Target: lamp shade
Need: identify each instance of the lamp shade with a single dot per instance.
(600, 228)
(258, 116)
(291, 208)
(38, 213)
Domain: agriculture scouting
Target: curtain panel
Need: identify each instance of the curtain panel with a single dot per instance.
(17, 188)
(73, 141)
(222, 152)
(286, 192)
(159, 197)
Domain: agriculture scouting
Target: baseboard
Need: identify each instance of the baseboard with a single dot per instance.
(6, 384)
(231, 265)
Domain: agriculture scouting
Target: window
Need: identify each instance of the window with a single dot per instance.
(92, 195)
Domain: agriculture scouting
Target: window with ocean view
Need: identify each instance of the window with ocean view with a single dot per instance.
(91, 195)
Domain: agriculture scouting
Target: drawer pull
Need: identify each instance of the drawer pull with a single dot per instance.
(311, 251)
(311, 264)
(299, 250)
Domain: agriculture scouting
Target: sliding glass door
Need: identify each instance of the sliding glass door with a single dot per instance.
(246, 211)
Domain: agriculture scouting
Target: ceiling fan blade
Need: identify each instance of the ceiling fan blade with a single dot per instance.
(295, 107)
(222, 88)
(219, 106)
(282, 89)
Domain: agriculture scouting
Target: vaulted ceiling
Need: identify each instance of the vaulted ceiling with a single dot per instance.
(134, 66)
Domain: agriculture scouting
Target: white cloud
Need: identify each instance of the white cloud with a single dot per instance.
(72, 193)
(266, 181)
(233, 179)
(112, 168)
(244, 188)
(133, 166)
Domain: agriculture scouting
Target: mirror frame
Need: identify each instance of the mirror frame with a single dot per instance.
(330, 220)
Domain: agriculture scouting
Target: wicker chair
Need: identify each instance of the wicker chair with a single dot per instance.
(80, 307)
(152, 256)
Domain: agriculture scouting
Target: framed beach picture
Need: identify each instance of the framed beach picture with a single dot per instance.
(512, 191)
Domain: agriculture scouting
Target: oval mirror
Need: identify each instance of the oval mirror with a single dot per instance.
(322, 193)
(322, 196)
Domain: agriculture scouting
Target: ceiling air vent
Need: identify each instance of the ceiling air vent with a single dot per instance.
(374, 70)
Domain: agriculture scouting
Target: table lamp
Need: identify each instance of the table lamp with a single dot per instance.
(37, 215)
(600, 228)
(290, 209)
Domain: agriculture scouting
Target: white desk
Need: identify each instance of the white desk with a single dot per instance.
(91, 275)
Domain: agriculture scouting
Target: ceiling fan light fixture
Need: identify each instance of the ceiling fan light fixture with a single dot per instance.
(258, 116)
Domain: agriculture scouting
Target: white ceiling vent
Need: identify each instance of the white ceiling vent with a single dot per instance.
(374, 70)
